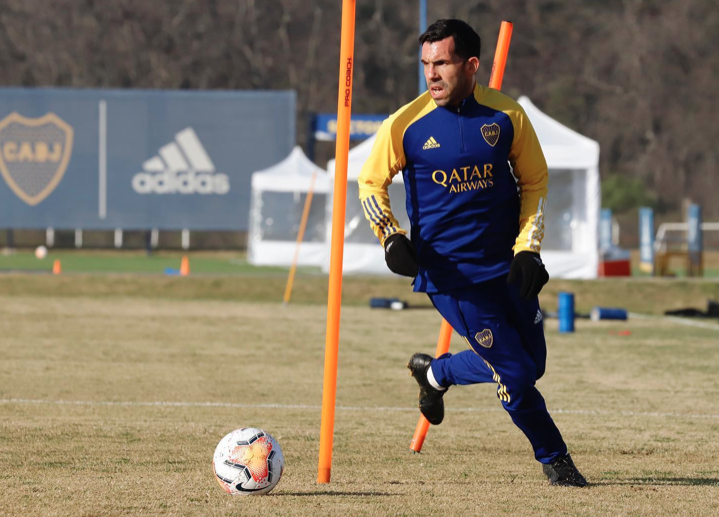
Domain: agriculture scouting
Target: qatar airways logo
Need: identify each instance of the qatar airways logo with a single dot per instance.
(182, 167)
(465, 179)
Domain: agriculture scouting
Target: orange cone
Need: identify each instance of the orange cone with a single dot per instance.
(185, 266)
(56, 267)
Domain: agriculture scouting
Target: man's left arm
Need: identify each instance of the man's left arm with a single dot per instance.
(530, 169)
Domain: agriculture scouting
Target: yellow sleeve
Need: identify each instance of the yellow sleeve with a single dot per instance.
(530, 169)
(385, 161)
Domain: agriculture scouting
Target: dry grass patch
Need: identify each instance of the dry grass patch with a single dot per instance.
(79, 435)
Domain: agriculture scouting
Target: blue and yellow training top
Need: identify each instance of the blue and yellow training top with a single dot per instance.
(469, 214)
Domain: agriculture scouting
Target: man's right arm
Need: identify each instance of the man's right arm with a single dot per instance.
(385, 161)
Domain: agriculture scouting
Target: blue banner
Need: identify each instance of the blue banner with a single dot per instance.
(361, 126)
(137, 159)
(605, 229)
(646, 240)
(694, 235)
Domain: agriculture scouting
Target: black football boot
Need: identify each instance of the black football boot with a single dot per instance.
(562, 472)
(430, 399)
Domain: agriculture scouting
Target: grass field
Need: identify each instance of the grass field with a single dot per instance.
(224, 263)
(111, 261)
(115, 389)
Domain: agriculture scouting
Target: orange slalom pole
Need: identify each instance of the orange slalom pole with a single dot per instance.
(445, 331)
(334, 298)
(300, 236)
(500, 55)
(445, 336)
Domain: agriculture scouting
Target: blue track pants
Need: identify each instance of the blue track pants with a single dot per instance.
(506, 338)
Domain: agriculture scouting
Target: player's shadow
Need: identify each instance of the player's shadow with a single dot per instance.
(654, 481)
(328, 492)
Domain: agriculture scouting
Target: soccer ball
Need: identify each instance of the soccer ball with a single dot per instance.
(248, 461)
(40, 252)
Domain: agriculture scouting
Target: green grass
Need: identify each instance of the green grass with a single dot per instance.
(225, 263)
(135, 262)
(650, 296)
(84, 359)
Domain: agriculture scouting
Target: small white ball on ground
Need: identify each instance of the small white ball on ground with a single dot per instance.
(40, 252)
(248, 461)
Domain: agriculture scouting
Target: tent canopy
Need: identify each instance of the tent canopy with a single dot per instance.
(570, 246)
(276, 204)
(292, 174)
(563, 148)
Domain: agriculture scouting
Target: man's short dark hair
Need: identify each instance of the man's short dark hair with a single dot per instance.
(467, 43)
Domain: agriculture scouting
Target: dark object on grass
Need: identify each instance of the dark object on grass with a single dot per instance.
(388, 303)
(690, 312)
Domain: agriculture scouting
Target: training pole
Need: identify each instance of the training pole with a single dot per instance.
(300, 236)
(500, 55)
(445, 331)
(334, 298)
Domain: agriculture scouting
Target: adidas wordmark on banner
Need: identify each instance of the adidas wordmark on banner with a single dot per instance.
(182, 167)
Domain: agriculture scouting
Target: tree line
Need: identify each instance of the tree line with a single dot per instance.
(638, 76)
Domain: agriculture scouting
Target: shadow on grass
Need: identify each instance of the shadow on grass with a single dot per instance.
(652, 481)
(337, 493)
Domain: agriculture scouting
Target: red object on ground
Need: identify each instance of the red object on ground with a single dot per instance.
(614, 268)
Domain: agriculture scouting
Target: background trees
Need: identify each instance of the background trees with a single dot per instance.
(639, 76)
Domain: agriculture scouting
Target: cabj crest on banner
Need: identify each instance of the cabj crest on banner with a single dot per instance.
(34, 154)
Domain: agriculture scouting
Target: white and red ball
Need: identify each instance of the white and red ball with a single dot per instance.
(248, 461)
(40, 252)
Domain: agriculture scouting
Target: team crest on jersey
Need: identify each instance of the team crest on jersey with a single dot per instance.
(484, 338)
(490, 132)
(34, 154)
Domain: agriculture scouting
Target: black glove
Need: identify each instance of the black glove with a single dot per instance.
(528, 270)
(400, 255)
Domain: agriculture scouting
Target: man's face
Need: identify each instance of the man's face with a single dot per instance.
(450, 79)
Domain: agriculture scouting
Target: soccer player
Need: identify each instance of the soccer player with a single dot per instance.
(476, 230)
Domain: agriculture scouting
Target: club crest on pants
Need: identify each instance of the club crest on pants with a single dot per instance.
(484, 338)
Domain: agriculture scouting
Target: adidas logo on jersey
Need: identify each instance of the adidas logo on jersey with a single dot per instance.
(430, 144)
(182, 167)
(538, 317)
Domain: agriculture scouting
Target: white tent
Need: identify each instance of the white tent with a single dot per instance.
(571, 220)
(362, 253)
(276, 205)
(569, 249)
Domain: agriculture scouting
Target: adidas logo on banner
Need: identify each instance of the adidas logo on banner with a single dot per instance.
(430, 144)
(182, 167)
